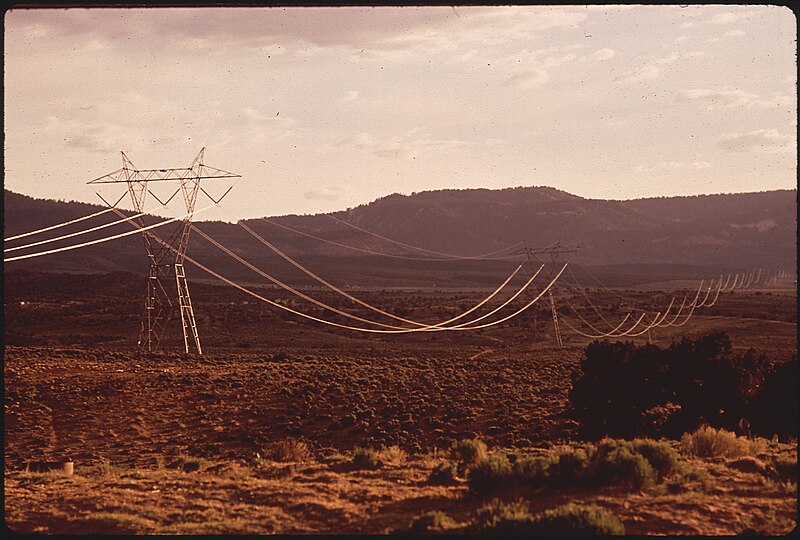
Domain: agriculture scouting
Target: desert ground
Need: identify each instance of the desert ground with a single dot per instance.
(283, 426)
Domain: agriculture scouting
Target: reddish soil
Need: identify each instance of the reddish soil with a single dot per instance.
(124, 417)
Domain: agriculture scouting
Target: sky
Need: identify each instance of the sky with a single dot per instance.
(323, 109)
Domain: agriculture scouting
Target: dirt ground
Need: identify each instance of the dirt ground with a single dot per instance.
(126, 419)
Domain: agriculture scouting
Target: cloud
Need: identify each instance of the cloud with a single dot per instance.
(599, 55)
(408, 145)
(350, 95)
(768, 141)
(732, 17)
(670, 166)
(715, 99)
(728, 98)
(531, 79)
(329, 193)
(641, 74)
(735, 33)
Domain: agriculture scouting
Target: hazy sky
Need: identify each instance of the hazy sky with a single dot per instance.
(320, 109)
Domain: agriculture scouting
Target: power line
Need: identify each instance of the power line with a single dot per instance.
(448, 255)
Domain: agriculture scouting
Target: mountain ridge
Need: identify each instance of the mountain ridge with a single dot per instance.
(718, 230)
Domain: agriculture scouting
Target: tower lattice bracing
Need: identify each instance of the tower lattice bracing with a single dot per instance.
(166, 255)
(554, 252)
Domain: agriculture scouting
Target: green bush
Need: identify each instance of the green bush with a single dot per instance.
(573, 465)
(499, 518)
(661, 456)
(490, 475)
(365, 458)
(623, 466)
(576, 519)
(533, 471)
(624, 390)
(637, 464)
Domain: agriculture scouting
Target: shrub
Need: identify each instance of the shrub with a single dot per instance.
(392, 455)
(622, 465)
(576, 519)
(287, 450)
(490, 475)
(622, 390)
(534, 471)
(774, 409)
(710, 442)
(443, 474)
(468, 453)
(432, 522)
(365, 458)
(500, 517)
(573, 465)
(661, 456)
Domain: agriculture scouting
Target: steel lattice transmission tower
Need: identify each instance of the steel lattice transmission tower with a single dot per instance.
(554, 252)
(166, 255)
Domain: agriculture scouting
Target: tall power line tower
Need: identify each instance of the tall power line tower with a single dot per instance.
(163, 265)
(554, 252)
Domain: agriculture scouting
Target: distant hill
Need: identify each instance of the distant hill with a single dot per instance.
(732, 231)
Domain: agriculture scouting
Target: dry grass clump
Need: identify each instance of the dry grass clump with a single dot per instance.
(468, 453)
(393, 456)
(287, 450)
(638, 464)
(710, 442)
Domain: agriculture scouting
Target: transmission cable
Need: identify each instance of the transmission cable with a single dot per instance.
(448, 255)
(70, 235)
(359, 301)
(106, 239)
(58, 225)
(362, 250)
(322, 304)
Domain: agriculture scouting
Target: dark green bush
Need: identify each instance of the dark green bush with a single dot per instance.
(573, 465)
(515, 518)
(499, 517)
(623, 466)
(533, 471)
(637, 464)
(490, 475)
(576, 519)
(661, 456)
(774, 410)
(623, 390)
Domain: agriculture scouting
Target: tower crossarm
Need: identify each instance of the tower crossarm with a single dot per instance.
(125, 175)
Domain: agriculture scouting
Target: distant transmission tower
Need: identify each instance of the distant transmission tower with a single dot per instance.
(554, 252)
(158, 305)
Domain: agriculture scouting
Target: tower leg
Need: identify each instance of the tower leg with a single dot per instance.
(188, 322)
(555, 319)
(156, 310)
